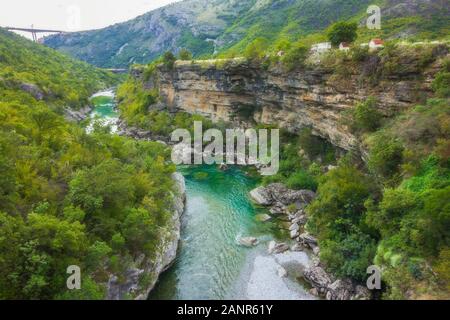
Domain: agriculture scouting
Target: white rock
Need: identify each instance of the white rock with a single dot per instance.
(282, 272)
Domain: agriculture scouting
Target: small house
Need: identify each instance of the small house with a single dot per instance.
(321, 47)
(376, 43)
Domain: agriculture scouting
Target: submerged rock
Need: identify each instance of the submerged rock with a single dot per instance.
(263, 217)
(248, 241)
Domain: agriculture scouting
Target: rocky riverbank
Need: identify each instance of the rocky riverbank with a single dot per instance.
(131, 286)
(291, 204)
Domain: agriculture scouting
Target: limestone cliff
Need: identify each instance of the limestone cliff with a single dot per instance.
(315, 96)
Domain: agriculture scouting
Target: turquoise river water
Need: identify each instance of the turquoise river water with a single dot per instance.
(210, 262)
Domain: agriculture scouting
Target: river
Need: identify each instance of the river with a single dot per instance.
(210, 262)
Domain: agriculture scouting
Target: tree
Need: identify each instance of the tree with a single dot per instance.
(169, 60)
(255, 51)
(342, 32)
(185, 54)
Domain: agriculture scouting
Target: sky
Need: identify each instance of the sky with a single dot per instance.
(73, 15)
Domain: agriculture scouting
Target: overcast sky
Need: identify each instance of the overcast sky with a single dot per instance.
(73, 15)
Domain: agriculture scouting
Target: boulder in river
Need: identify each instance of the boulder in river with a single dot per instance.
(248, 241)
(261, 196)
(279, 195)
(276, 248)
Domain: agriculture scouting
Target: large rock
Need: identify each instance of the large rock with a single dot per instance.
(361, 293)
(308, 240)
(340, 290)
(280, 196)
(261, 196)
(318, 278)
(77, 115)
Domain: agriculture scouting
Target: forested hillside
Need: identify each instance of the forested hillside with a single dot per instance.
(67, 197)
(46, 74)
(208, 27)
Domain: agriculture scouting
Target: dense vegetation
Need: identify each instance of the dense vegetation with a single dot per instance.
(68, 198)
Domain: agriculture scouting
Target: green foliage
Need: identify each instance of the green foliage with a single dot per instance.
(255, 51)
(315, 146)
(301, 180)
(59, 79)
(295, 57)
(441, 84)
(169, 60)
(386, 155)
(337, 218)
(66, 197)
(185, 54)
(342, 32)
(135, 105)
(366, 117)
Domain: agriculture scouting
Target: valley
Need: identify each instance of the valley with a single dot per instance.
(88, 178)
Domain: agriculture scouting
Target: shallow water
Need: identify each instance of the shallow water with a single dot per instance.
(104, 110)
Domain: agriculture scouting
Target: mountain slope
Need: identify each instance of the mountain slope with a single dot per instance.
(47, 74)
(208, 26)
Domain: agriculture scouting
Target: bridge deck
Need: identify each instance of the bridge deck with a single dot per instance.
(34, 30)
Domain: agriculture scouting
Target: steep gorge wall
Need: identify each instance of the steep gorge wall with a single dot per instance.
(314, 97)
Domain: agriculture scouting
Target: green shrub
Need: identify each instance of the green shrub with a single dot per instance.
(366, 117)
(301, 180)
(256, 50)
(185, 54)
(295, 57)
(386, 155)
(169, 60)
(441, 84)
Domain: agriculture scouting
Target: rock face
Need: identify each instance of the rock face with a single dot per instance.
(33, 90)
(77, 115)
(239, 92)
(118, 290)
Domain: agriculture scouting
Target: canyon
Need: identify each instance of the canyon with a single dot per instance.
(244, 93)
